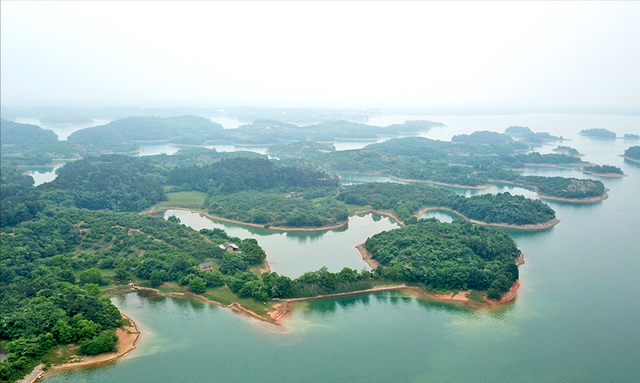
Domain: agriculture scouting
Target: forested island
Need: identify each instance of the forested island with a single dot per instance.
(527, 135)
(456, 256)
(633, 153)
(567, 150)
(598, 133)
(604, 170)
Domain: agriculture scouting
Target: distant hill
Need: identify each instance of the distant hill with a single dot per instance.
(530, 136)
(483, 137)
(150, 129)
(13, 133)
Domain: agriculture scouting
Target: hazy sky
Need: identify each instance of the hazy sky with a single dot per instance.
(329, 54)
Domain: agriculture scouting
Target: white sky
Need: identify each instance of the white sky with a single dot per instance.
(324, 54)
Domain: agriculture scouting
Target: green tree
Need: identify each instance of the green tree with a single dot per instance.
(197, 285)
(157, 277)
(105, 342)
(92, 275)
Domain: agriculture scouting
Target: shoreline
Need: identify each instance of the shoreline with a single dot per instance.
(631, 159)
(453, 296)
(576, 200)
(529, 227)
(479, 187)
(279, 228)
(127, 339)
(610, 175)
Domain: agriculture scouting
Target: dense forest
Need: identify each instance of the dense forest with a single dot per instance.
(278, 209)
(19, 200)
(407, 200)
(13, 133)
(193, 130)
(118, 183)
(456, 256)
(239, 174)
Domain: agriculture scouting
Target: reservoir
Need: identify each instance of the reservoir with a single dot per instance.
(575, 317)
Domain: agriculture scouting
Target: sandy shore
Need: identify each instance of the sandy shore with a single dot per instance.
(630, 159)
(127, 337)
(366, 256)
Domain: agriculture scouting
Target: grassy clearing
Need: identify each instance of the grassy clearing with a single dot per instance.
(184, 199)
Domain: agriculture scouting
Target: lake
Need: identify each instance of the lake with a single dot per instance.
(576, 317)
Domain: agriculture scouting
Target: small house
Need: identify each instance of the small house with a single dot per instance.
(206, 266)
(229, 246)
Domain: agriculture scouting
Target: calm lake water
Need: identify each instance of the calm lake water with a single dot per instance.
(576, 317)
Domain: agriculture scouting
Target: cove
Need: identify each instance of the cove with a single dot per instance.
(295, 252)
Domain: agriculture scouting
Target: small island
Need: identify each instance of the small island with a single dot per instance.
(632, 154)
(630, 136)
(604, 171)
(526, 134)
(567, 150)
(603, 134)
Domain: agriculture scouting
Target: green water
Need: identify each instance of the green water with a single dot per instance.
(296, 252)
(576, 317)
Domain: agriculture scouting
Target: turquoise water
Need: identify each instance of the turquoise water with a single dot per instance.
(576, 317)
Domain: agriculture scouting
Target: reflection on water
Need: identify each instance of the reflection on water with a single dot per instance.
(43, 174)
(293, 253)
